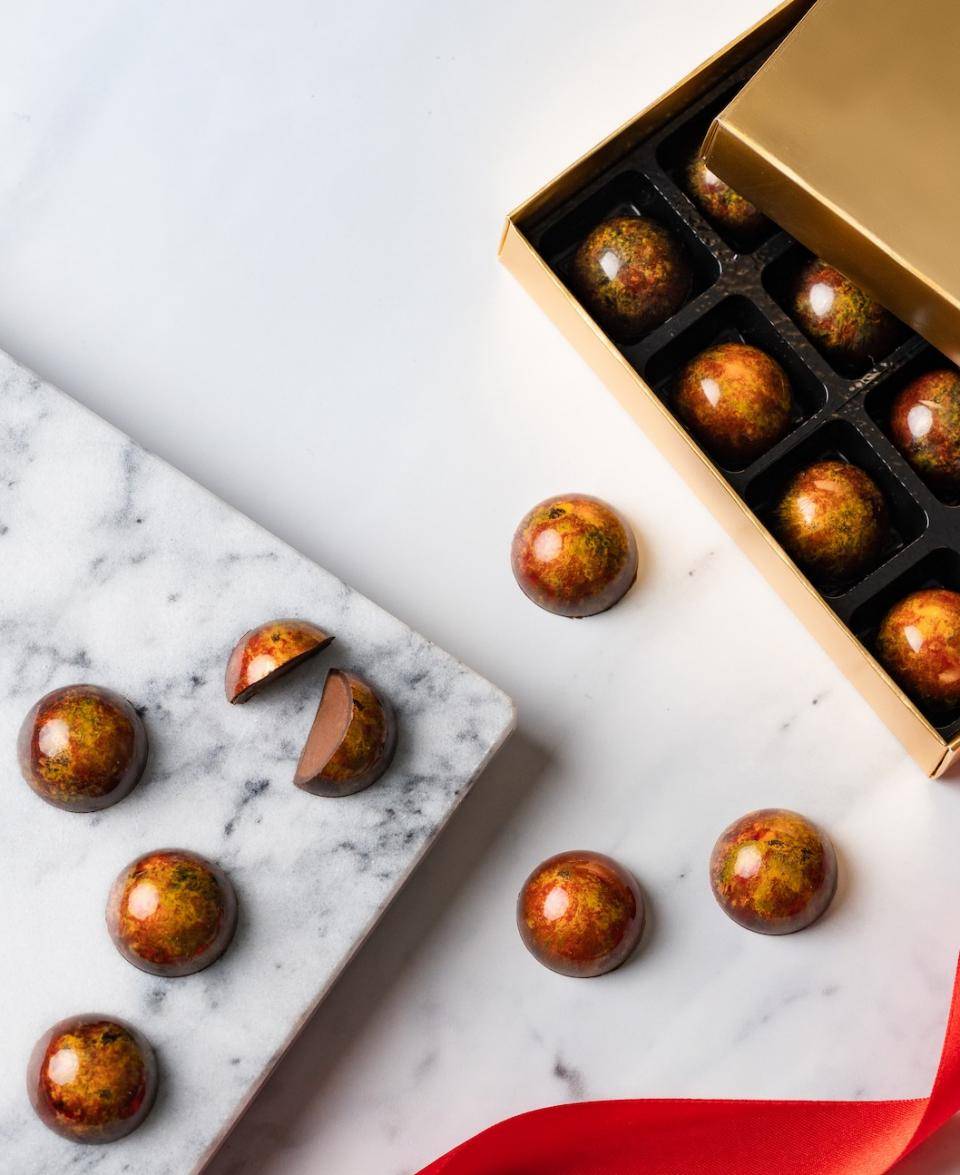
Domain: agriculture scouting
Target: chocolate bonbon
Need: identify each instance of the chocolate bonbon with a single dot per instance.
(843, 322)
(580, 914)
(352, 740)
(925, 427)
(82, 748)
(633, 274)
(833, 520)
(574, 555)
(773, 871)
(92, 1079)
(268, 652)
(919, 644)
(735, 399)
(171, 912)
(727, 209)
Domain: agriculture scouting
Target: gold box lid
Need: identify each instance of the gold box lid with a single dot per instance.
(849, 138)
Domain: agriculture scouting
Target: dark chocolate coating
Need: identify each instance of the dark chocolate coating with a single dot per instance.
(580, 914)
(631, 273)
(728, 210)
(82, 748)
(773, 871)
(925, 427)
(735, 399)
(172, 912)
(833, 520)
(842, 321)
(574, 555)
(92, 1078)
(919, 644)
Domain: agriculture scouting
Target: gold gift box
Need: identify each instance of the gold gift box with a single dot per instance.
(825, 216)
(847, 138)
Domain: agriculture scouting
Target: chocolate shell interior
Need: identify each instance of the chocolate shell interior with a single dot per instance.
(329, 727)
(352, 740)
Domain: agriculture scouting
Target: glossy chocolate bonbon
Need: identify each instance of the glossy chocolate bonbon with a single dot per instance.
(633, 274)
(82, 748)
(773, 871)
(574, 555)
(171, 912)
(580, 914)
(92, 1078)
(833, 520)
(925, 427)
(736, 401)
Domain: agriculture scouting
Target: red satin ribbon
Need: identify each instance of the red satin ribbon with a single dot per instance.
(677, 1136)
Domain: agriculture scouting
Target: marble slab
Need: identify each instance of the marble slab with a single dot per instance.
(119, 570)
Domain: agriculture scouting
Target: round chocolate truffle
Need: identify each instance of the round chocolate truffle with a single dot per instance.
(171, 912)
(843, 322)
(580, 914)
(574, 555)
(631, 274)
(919, 644)
(728, 210)
(735, 399)
(833, 520)
(925, 427)
(92, 1078)
(773, 871)
(82, 748)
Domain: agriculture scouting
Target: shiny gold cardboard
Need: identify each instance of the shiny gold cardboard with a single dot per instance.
(922, 741)
(848, 139)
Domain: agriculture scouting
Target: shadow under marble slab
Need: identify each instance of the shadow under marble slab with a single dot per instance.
(299, 1090)
(120, 571)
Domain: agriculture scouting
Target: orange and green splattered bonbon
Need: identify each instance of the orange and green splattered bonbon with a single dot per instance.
(352, 741)
(632, 274)
(574, 555)
(833, 520)
(171, 912)
(925, 427)
(843, 322)
(268, 652)
(736, 400)
(773, 871)
(82, 748)
(918, 642)
(92, 1079)
(365, 738)
(580, 914)
(727, 209)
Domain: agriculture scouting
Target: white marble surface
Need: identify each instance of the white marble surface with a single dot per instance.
(263, 242)
(121, 571)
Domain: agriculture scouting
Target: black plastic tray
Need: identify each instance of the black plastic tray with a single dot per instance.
(738, 294)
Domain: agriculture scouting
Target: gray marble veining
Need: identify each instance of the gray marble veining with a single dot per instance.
(117, 569)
